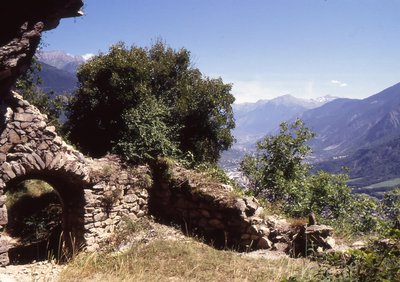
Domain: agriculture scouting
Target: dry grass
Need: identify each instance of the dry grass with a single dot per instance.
(166, 260)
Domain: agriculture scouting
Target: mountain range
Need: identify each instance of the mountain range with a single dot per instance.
(362, 135)
(58, 71)
(254, 120)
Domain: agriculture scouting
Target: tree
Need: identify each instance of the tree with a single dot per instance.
(391, 208)
(279, 161)
(144, 102)
(279, 173)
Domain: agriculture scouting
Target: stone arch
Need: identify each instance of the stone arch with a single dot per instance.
(30, 149)
(96, 193)
(70, 191)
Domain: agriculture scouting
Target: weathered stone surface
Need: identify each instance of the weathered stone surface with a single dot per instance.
(4, 260)
(322, 230)
(281, 247)
(24, 117)
(330, 241)
(13, 137)
(3, 216)
(264, 243)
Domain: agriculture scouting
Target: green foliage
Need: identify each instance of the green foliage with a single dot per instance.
(215, 172)
(379, 261)
(363, 214)
(278, 167)
(330, 197)
(278, 172)
(152, 136)
(391, 208)
(148, 102)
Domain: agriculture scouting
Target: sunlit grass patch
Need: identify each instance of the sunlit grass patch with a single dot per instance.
(163, 260)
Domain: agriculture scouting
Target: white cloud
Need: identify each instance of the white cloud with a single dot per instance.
(252, 91)
(87, 56)
(338, 83)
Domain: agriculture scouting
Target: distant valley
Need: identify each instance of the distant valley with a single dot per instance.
(362, 135)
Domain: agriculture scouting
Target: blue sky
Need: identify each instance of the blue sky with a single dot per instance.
(306, 48)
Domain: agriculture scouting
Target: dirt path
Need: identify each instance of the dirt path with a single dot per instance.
(39, 271)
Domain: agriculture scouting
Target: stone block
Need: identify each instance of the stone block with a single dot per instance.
(7, 169)
(264, 243)
(216, 223)
(280, 247)
(330, 243)
(3, 216)
(4, 260)
(24, 117)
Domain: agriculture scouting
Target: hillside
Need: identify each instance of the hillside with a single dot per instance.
(57, 80)
(255, 120)
(61, 60)
(345, 125)
(362, 135)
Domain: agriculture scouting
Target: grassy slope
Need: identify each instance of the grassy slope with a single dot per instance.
(167, 260)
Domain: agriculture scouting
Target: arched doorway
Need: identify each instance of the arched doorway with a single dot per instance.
(45, 217)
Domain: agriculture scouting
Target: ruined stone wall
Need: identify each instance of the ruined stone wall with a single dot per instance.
(213, 210)
(95, 194)
(118, 193)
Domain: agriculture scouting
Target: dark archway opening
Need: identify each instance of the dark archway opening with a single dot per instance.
(34, 221)
(45, 218)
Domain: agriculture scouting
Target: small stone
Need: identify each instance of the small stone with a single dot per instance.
(264, 243)
(3, 216)
(263, 230)
(245, 236)
(330, 241)
(24, 117)
(205, 213)
(7, 169)
(13, 137)
(358, 245)
(240, 205)
(280, 247)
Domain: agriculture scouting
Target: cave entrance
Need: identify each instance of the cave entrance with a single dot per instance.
(45, 219)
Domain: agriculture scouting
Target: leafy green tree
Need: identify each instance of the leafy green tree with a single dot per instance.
(145, 102)
(391, 208)
(278, 163)
(279, 173)
(152, 136)
(330, 197)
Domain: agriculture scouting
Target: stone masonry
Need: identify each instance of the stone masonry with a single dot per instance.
(95, 194)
